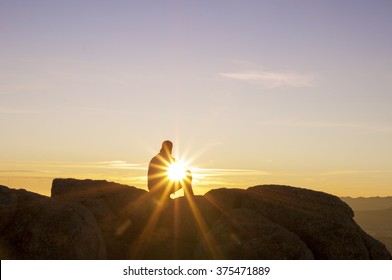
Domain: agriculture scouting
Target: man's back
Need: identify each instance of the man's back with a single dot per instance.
(157, 172)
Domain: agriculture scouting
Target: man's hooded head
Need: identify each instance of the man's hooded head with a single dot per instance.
(167, 147)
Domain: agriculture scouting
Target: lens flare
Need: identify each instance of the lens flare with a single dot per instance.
(176, 171)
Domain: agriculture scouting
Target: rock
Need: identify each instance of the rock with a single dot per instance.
(37, 227)
(117, 196)
(120, 210)
(175, 229)
(84, 217)
(244, 234)
(8, 205)
(322, 221)
(377, 250)
(226, 199)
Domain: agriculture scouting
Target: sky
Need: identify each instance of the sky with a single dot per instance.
(250, 92)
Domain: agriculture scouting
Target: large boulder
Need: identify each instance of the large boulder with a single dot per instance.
(322, 221)
(121, 211)
(244, 234)
(36, 227)
(175, 229)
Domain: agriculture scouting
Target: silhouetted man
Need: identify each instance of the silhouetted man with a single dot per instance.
(159, 183)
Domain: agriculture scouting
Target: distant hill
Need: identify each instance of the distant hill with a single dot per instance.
(368, 203)
(374, 215)
(378, 223)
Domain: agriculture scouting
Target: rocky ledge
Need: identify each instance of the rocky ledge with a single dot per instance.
(87, 219)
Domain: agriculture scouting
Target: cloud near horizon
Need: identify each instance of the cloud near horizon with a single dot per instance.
(217, 172)
(272, 79)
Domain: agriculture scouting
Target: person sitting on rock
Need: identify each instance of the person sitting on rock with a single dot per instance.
(159, 183)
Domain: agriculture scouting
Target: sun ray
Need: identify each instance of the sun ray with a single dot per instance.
(203, 228)
(177, 172)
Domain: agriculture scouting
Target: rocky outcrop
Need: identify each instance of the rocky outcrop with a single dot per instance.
(245, 234)
(263, 222)
(121, 211)
(37, 227)
(322, 220)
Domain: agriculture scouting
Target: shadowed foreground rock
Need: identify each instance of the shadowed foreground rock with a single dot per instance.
(37, 227)
(121, 211)
(243, 233)
(263, 222)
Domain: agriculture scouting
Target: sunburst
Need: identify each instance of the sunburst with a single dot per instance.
(176, 171)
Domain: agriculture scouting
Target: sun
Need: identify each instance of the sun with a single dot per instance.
(176, 171)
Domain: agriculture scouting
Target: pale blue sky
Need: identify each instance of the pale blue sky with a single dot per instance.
(298, 90)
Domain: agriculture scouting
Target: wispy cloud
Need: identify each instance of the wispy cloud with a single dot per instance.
(369, 127)
(61, 166)
(118, 164)
(16, 171)
(205, 178)
(304, 123)
(272, 79)
(353, 172)
(216, 172)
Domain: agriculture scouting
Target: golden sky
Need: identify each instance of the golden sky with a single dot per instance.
(250, 92)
